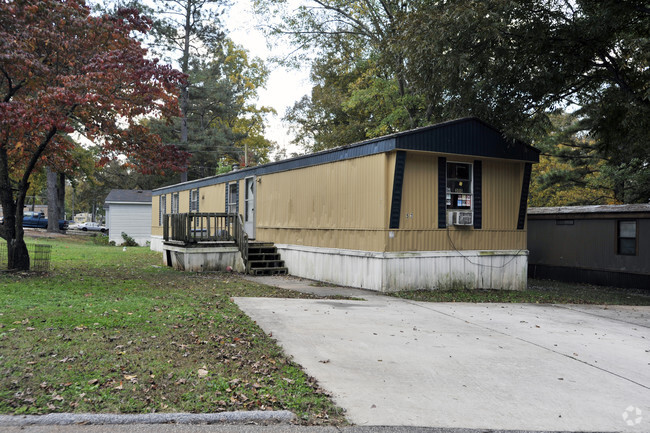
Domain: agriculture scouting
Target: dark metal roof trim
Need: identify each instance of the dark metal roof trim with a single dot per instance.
(474, 138)
(574, 210)
(467, 136)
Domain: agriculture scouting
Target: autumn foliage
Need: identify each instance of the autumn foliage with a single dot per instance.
(63, 71)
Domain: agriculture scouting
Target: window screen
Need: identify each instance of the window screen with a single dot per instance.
(194, 200)
(626, 234)
(233, 198)
(162, 209)
(175, 200)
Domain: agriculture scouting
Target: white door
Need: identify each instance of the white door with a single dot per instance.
(249, 207)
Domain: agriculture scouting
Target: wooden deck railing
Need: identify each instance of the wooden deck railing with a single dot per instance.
(241, 238)
(190, 228)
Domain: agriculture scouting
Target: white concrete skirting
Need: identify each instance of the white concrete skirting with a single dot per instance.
(156, 243)
(203, 259)
(388, 272)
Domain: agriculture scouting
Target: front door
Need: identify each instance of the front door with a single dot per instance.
(249, 207)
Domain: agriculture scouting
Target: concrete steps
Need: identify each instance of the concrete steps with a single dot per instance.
(264, 259)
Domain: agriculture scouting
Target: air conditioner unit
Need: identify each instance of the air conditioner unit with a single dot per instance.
(462, 218)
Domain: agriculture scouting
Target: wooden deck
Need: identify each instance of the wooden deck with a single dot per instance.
(219, 230)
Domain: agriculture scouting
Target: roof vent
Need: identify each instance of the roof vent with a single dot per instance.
(235, 167)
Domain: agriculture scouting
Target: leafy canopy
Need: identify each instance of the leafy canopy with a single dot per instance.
(413, 63)
(65, 71)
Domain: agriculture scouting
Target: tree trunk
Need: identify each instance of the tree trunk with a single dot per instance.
(185, 94)
(60, 196)
(52, 201)
(12, 228)
(17, 255)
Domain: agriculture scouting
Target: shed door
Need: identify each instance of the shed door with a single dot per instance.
(249, 207)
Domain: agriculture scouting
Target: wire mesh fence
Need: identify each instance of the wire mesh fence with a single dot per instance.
(39, 256)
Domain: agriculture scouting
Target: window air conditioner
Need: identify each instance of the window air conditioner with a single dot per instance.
(462, 218)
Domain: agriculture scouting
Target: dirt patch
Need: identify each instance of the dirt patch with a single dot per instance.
(42, 233)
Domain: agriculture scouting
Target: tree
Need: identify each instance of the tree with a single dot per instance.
(509, 63)
(184, 29)
(64, 71)
(571, 172)
(361, 90)
(222, 117)
(331, 116)
(513, 63)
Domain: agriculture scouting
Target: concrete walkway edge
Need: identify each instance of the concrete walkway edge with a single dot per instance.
(281, 416)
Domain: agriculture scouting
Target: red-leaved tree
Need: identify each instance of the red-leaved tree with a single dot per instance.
(65, 71)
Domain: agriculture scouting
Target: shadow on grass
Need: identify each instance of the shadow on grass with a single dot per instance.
(538, 292)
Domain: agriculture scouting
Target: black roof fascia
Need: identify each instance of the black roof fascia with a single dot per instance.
(476, 137)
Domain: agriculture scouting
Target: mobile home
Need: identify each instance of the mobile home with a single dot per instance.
(435, 207)
(606, 245)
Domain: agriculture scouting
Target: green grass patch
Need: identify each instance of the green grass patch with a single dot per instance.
(109, 330)
(538, 292)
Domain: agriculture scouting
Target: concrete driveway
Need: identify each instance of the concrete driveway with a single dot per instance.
(489, 366)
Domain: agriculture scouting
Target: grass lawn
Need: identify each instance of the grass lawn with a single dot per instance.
(113, 331)
(539, 292)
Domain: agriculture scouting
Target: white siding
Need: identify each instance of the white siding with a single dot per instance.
(133, 219)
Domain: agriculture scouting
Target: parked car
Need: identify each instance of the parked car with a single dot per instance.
(38, 220)
(91, 226)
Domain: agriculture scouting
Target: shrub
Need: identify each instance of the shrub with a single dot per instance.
(100, 239)
(128, 241)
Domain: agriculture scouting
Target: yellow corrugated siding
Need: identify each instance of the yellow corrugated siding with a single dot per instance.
(501, 194)
(336, 205)
(346, 205)
(419, 211)
(353, 239)
(212, 198)
(456, 239)
(419, 193)
(184, 201)
(156, 229)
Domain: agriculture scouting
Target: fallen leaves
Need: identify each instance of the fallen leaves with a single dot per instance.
(189, 350)
(131, 378)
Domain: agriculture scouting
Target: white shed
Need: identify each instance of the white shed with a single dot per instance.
(128, 211)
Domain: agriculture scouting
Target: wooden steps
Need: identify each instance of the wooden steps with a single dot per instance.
(264, 259)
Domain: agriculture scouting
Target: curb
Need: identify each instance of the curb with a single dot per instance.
(280, 416)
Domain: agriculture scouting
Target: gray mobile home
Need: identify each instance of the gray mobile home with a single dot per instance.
(606, 245)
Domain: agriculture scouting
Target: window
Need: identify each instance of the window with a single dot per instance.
(459, 186)
(194, 200)
(162, 209)
(233, 198)
(175, 203)
(626, 238)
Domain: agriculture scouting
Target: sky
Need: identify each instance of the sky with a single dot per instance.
(284, 86)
